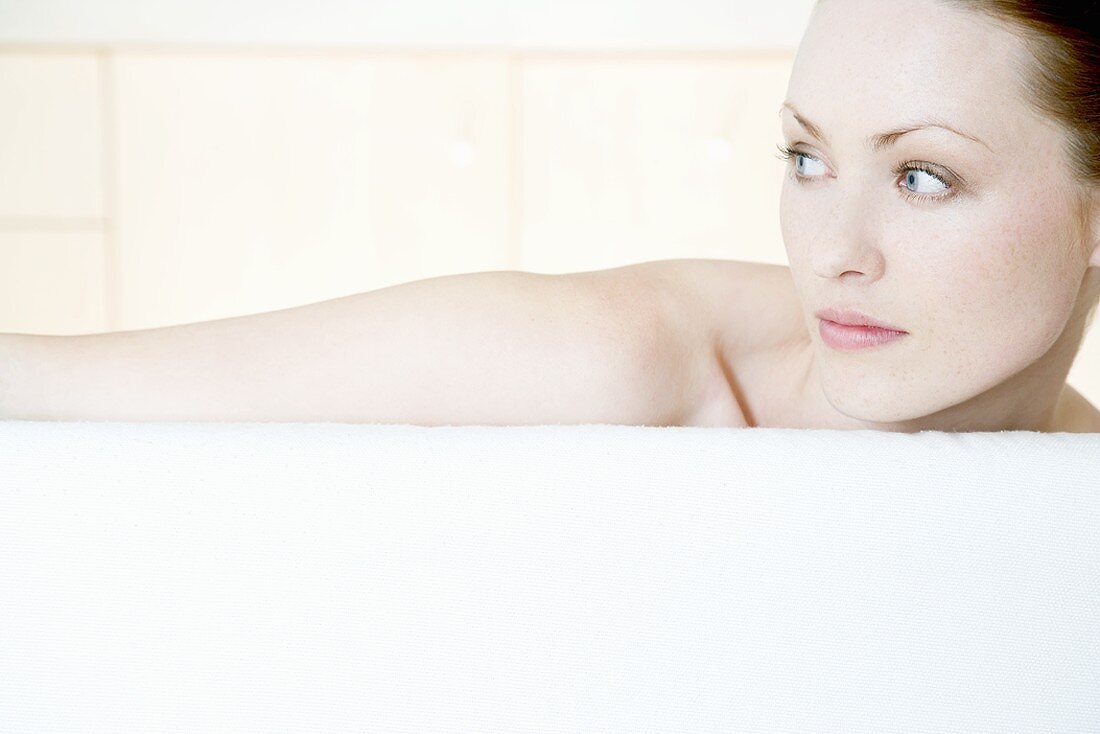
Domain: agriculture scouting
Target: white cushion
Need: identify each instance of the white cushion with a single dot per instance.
(221, 577)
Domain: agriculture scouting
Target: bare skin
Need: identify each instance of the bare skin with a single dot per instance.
(979, 242)
(759, 353)
(687, 342)
(924, 190)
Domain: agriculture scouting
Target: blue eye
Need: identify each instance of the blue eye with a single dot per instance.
(913, 178)
(912, 171)
(795, 155)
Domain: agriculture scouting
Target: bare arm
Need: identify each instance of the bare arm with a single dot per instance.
(493, 348)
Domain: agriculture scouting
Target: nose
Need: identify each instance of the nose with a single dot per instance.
(847, 243)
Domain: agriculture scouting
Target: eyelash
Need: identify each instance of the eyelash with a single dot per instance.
(787, 153)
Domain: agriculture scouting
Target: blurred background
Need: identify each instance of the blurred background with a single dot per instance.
(170, 161)
(173, 161)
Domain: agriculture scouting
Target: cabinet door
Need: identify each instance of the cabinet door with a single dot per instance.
(52, 283)
(51, 137)
(638, 159)
(251, 182)
(52, 257)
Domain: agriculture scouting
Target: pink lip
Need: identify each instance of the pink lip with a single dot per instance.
(851, 317)
(839, 336)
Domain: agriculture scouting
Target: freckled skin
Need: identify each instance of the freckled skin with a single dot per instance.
(993, 283)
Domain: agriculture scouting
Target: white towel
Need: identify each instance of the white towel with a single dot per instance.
(232, 577)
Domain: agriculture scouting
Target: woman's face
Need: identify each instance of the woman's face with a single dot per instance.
(979, 256)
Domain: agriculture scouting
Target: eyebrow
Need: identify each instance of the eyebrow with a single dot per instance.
(880, 141)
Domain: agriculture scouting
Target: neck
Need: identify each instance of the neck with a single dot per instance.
(1035, 399)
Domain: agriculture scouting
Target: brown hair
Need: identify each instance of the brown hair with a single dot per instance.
(1063, 80)
(1063, 83)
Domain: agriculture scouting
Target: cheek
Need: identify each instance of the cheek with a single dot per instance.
(1004, 285)
(785, 215)
(800, 221)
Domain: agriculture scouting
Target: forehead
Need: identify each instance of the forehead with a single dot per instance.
(870, 64)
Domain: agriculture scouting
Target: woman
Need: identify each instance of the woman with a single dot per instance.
(980, 237)
(943, 180)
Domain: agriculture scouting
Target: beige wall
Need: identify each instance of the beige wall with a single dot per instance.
(149, 187)
(146, 186)
(528, 25)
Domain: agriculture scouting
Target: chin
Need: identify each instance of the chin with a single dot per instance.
(869, 400)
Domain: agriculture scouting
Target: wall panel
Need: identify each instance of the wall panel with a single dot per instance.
(644, 159)
(51, 145)
(251, 182)
(52, 283)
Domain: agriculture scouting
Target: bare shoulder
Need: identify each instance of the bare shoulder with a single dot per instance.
(664, 319)
(745, 309)
(719, 289)
(725, 316)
